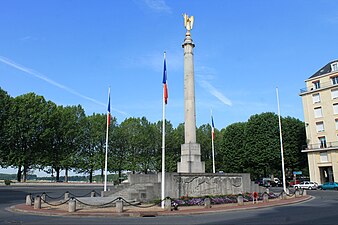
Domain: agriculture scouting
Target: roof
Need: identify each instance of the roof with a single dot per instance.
(324, 70)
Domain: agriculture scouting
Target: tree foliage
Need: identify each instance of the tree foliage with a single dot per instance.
(25, 132)
(5, 106)
(232, 149)
(35, 133)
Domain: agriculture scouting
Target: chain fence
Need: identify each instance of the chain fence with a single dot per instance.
(199, 201)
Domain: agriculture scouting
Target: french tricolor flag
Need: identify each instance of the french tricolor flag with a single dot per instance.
(212, 128)
(165, 88)
(108, 111)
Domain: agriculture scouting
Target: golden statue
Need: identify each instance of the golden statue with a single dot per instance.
(188, 22)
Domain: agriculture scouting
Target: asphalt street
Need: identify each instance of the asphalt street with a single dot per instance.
(322, 209)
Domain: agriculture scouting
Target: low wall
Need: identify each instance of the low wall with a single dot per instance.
(142, 178)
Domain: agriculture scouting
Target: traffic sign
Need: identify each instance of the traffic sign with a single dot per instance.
(297, 172)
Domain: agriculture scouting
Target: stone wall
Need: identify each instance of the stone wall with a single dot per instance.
(142, 178)
(184, 184)
(207, 184)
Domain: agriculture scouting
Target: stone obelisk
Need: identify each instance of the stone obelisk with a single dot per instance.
(190, 150)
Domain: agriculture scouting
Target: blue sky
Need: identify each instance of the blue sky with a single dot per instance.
(71, 51)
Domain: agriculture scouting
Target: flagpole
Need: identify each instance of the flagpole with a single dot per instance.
(212, 144)
(163, 137)
(106, 156)
(281, 142)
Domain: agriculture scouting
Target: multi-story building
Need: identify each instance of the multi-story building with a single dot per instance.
(320, 104)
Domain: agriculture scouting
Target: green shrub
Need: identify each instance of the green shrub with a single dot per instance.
(8, 182)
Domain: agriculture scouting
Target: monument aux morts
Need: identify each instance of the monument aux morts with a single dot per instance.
(190, 150)
(190, 179)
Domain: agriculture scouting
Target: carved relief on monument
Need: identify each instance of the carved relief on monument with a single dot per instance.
(209, 185)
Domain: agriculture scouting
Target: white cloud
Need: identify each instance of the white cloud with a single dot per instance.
(216, 93)
(158, 5)
(54, 83)
(204, 82)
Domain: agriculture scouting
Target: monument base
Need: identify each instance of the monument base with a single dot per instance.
(147, 187)
(191, 159)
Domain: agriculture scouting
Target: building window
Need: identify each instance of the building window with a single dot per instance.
(316, 97)
(335, 108)
(319, 113)
(322, 142)
(320, 126)
(336, 120)
(334, 67)
(334, 80)
(324, 157)
(316, 84)
(334, 93)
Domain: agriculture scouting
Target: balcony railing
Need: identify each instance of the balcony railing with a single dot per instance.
(323, 146)
(322, 86)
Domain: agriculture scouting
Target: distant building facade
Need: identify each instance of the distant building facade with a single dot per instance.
(320, 104)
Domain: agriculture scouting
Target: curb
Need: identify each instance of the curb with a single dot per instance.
(22, 208)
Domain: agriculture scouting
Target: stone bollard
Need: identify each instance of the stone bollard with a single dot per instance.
(66, 195)
(297, 194)
(37, 202)
(72, 205)
(207, 203)
(43, 197)
(283, 195)
(265, 197)
(119, 206)
(29, 199)
(92, 194)
(240, 200)
(167, 204)
(304, 192)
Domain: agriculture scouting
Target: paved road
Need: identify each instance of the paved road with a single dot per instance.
(321, 210)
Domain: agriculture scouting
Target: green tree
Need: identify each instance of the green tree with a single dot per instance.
(65, 137)
(232, 150)
(118, 151)
(170, 151)
(146, 145)
(203, 136)
(262, 144)
(294, 138)
(178, 137)
(25, 132)
(92, 152)
(5, 106)
(139, 143)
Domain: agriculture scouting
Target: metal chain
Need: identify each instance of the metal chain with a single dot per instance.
(62, 203)
(80, 196)
(53, 197)
(105, 204)
(140, 206)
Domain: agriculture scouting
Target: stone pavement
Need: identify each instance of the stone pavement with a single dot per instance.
(133, 211)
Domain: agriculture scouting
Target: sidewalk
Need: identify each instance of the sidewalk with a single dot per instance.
(133, 211)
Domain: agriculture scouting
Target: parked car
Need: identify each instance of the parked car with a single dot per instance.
(266, 182)
(277, 181)
(328, 185)
(292, 182)
(306, 185)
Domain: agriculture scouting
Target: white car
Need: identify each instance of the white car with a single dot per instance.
(306, 185)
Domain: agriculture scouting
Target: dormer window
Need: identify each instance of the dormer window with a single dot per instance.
(334, 67)
(316, 84)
